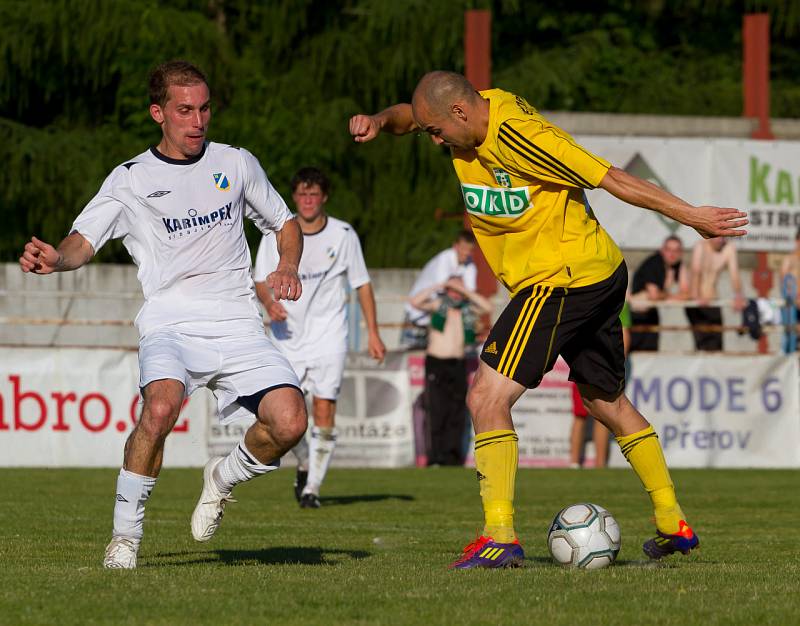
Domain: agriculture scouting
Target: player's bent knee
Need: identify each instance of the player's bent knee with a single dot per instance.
(283, 414)
(158, 418)
(287, 432)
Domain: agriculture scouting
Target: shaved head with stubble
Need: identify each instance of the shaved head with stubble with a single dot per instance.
(447, 107)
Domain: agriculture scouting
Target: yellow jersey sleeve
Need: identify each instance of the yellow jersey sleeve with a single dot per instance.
(545, 152)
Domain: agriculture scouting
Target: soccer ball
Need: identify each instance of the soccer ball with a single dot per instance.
(585, 536)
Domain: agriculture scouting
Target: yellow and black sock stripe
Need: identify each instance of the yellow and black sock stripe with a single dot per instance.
(522, 330)
(492, 436)
(627, 446)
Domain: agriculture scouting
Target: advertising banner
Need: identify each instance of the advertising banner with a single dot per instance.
(543, 418)
(719, 411)
(64, 407)
(373, 417)
(760, 177)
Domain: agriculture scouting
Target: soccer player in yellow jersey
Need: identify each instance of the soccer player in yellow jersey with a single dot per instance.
(523, 183)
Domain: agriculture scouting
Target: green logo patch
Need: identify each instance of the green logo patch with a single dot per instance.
(494, 202)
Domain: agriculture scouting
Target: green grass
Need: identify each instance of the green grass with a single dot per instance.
(376, 553)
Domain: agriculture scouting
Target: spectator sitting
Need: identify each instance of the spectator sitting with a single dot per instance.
(709, 258)
(661, 276)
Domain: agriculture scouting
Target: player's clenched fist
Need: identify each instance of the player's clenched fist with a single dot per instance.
(39, 257)
(285, 284)
(364, 127)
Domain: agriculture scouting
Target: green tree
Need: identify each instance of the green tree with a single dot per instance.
(287, 74)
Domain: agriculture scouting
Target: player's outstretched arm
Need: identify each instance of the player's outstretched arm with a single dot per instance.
(709, 221)
(40, 257)
(366, 298)
(284, 281)
(395, 120)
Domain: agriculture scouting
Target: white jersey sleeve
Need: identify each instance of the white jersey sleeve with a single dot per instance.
(357, 274)
(104, 217)
(264, 205)
(266, 258)
(470, 276)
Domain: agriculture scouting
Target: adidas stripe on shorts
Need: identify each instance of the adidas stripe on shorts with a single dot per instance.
(581, 324)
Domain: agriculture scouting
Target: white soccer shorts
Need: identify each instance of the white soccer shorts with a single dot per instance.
(229, 366)
(322, 377)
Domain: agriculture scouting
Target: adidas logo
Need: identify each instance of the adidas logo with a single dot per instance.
(491, 348)
(481, 476)
(121, 498)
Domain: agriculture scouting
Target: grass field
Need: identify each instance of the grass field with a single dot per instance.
(376, 553)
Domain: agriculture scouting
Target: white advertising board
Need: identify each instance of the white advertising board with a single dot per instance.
(373, 417)
(719, 411)
(65, 407)
(760, 177)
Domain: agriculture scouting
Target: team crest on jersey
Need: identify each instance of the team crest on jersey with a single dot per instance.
(502, 177)
(221, 182)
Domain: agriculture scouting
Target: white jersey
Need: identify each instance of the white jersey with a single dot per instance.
(438, 270)
(182, 223)
(316, 323)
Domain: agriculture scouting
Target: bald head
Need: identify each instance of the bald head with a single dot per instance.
(439, 90)
(447, 107)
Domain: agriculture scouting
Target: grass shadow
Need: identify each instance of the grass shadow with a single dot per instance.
(373, 497)
(279, 555)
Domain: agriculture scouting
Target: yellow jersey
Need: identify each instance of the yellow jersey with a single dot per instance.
(523, 188)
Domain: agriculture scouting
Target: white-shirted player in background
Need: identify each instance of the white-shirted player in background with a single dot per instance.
(312, 330)
(179, 209)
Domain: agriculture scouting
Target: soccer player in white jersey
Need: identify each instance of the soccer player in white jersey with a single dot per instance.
(312, 330)
(179, 209)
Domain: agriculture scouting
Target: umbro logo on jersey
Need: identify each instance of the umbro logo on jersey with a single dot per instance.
(121, 498)
(158, 194)
(491, 348)
(221, 182)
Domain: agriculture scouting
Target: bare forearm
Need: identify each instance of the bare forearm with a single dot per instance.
(396, 120)
(481, 302)
(645, 194)
(264, 295)
(290, 245)
(709, 221)
(421, 299)
(73, 252)
(366, 298)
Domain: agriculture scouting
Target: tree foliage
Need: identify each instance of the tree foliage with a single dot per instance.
(287, 74)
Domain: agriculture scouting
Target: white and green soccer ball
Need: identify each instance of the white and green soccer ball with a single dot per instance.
(585, 536)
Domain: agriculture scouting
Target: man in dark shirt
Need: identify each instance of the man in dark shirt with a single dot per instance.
(655, 280)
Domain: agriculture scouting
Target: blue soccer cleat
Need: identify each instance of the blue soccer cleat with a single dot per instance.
(684, 541)
(486, 552)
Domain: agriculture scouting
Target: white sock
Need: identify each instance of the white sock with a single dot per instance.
(323, 442)
(300, 452)
(240, 465)
(133, 491)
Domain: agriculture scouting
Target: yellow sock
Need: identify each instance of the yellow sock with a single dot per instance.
(644, 453)
(496, 461)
